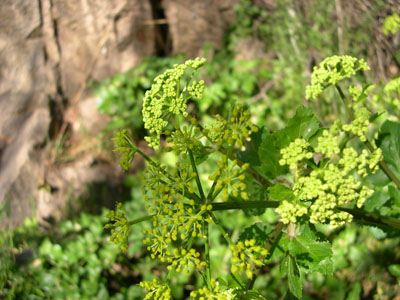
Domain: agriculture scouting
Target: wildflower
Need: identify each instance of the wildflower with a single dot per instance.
(124, 145)
(230, 178)
(245, 255)
(332, 70)
(359, 125)
(331, 184)
(166, 97)
(216, 292)
(119, 227)
(158, 290)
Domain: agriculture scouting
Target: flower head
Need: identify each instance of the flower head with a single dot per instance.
(332, 70)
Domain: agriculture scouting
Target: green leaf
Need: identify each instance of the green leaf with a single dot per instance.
(263, 152)
(258, 231)
(250, 295)
(389, 142)
(379, 198)
(355, 292)
(312, 255)
(304, 124)
(294, 280)
(279, 192)
(395, 270)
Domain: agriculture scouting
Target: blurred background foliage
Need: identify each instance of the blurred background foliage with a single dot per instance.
(75, 260)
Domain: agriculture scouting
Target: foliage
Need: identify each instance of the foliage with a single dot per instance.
(391, 24)
(313, 175)
(76, 262)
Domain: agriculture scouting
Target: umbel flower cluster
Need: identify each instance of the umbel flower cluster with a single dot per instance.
(158, 290)
(319, 189)
(213, 292)
(332, 70)
(166, 98)
(327, 174)
(179, 207)
(245, 255)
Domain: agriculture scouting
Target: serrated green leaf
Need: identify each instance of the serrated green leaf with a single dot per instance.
(395, 194)
(311, 254)
(389, 142)
(263, 152)
(316, 250)
(279, 192)
(294, 279)
(258, 231)
(303, 125)
(262, 155)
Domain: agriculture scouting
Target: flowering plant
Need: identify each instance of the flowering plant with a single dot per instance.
(310, 175)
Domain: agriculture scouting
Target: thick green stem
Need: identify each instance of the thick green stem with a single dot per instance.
(146, 218)
(221, 229)
(372, 219)
(207, 254)
(359, 215)
(345, 101)
(244, 205)
(203, 197)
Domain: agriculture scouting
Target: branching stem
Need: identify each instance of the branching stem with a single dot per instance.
(203, 197)
(382, 164)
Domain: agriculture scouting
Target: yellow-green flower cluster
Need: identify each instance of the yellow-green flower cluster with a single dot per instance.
(332, 70)
(328, 144)
(296, 151)
(176, 219)
(165, 97)
(290, 211)
(391, 24)
(355, 92)
(187, 138)
(216, 292)
(158, 290)
(392, 92)
(230, 177)
(245, 256)
(183, 260)
(234, 131)
(317, 193)
(215, 130)
(124, 145)
(359, 125)
(119, 226)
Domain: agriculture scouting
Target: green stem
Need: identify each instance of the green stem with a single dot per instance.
(249, 171)
(372, 219)
(141, 219)
(244, 205)
(207, 254)
(203, 197)
(345, 101)
(192, 196)
(384, 166)
(221, 229)
(210, 196)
